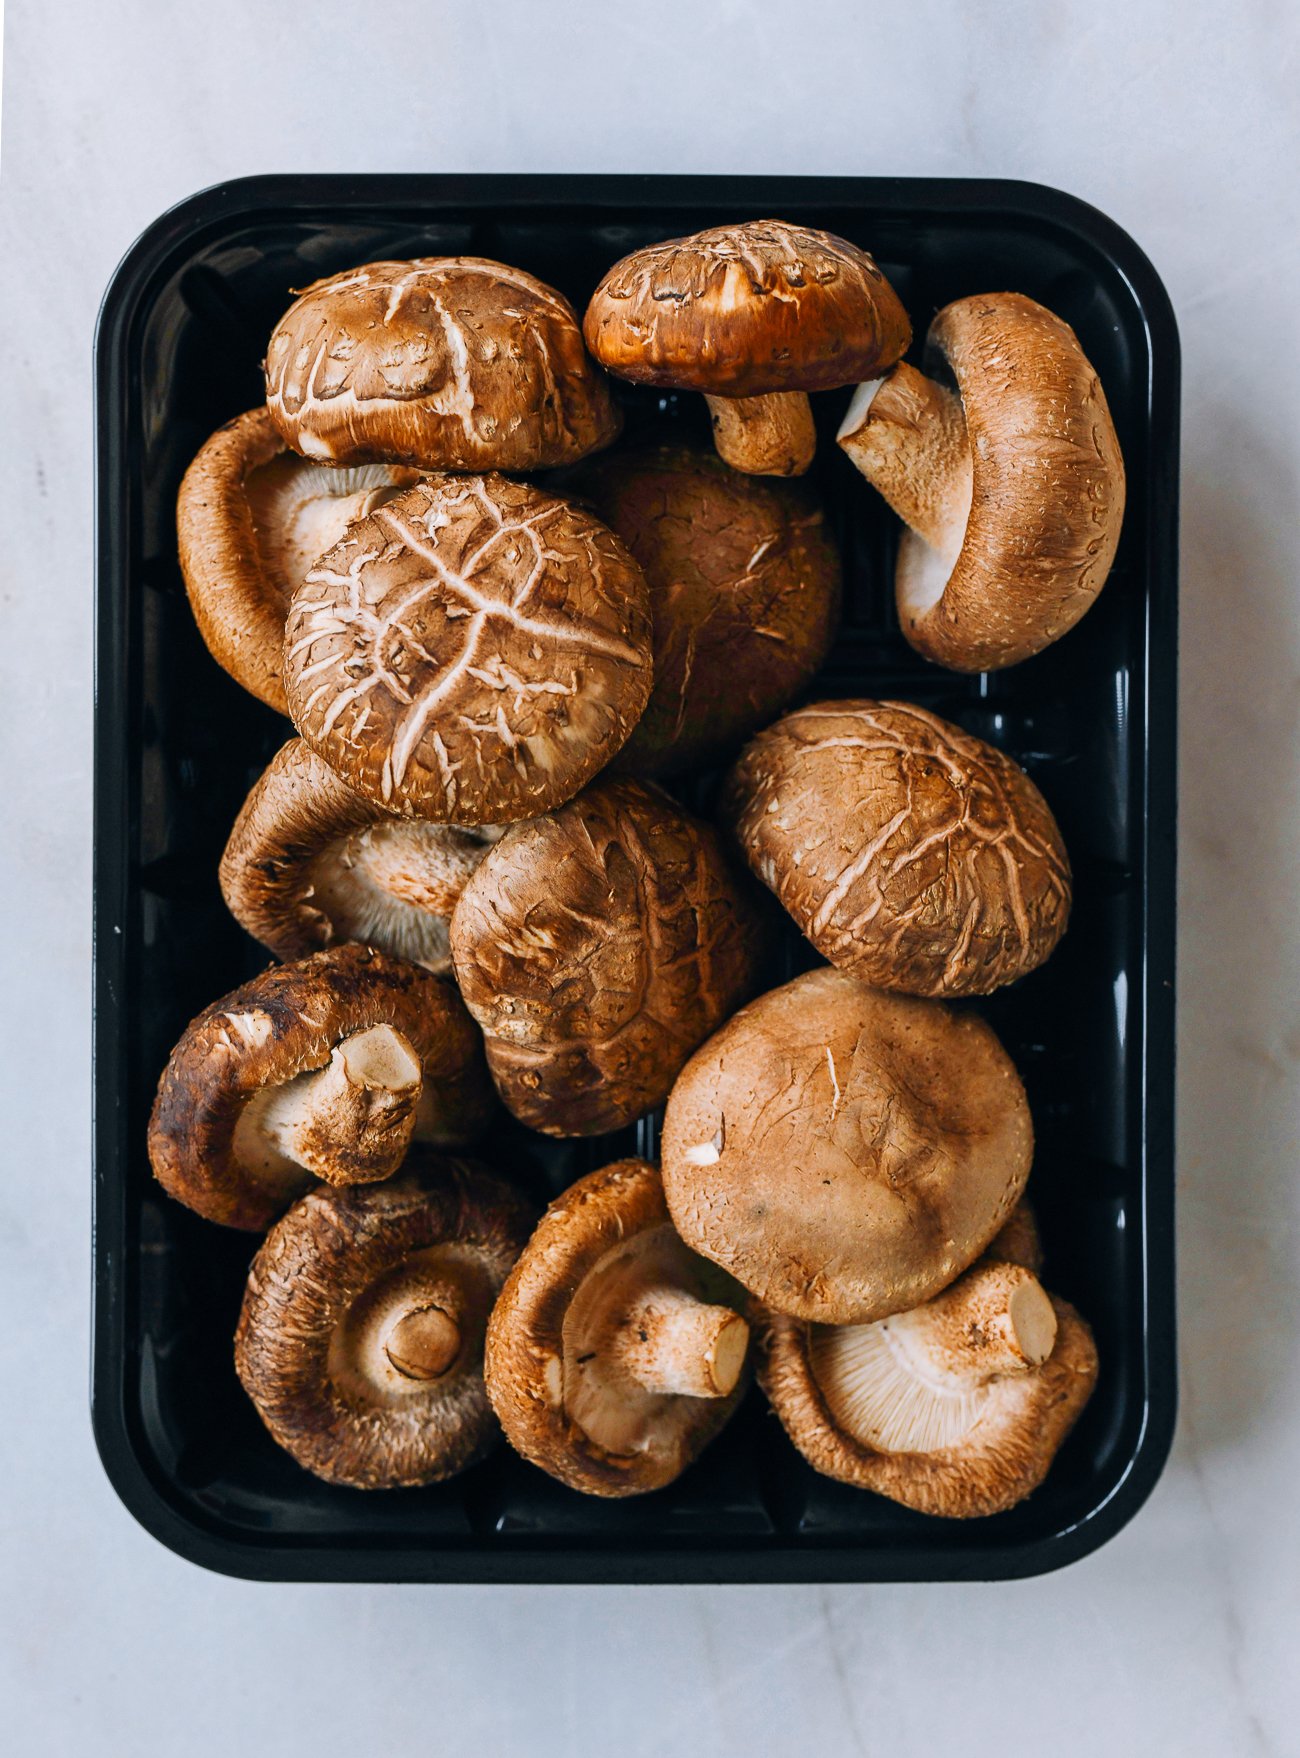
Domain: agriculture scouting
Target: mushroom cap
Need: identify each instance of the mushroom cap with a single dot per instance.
(251, 518)
(284, 1023)
(311, 1356)
(300, 869)
(1048, 491)
(909, 852)
(995, 1446)
(472, 652)
(452, 363)
(597, 947)
(744, 594)
(543, 1373)
(739, 311)
(842, 1152)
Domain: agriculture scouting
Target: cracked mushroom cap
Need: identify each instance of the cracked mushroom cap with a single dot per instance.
(252, 517)
(360, 1339)
(955, 1408)
(614, 1354)
(842, 1152)
(310, 864)
(327, 1068)
(910, 853)
(597, 947)
(744, 594)
(744, 310)
(473, 652)
(1013, 489)
(446, 363)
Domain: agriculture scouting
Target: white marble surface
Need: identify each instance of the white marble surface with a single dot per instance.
(1184, 123)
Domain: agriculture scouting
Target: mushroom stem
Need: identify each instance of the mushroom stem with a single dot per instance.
(669, 1342)
(907, 435)
(424, 1342)
(996, 1320)
(764, 436)
(349, 1123)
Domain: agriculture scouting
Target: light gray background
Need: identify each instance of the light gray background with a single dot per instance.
(1184, 124)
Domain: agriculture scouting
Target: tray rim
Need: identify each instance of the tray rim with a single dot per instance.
(202, 217)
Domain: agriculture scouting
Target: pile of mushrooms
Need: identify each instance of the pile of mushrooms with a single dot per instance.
(501, 639)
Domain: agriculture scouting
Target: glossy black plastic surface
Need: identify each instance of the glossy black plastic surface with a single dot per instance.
(181, 335)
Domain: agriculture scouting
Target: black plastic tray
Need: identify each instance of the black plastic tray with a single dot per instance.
(181, 334)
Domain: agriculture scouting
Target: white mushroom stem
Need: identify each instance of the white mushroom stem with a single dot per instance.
(764, 436)
(671, 1343)
(997, 1321)
(407, 1329)
(349, 1123)
(907, 435)
(424, 1342)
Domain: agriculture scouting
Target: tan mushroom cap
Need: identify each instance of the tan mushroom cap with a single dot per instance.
(325, 1068)
(956, 1408)
(597, 947)
(614, 1354)
(360, 1339)
(844, 1153)
(1013, 489)
(473, 652)
(310, 864)
(910, 853)
(251, 518)
(744, 593)
(452, 363)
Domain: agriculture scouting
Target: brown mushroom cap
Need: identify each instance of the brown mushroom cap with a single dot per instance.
(450, 363)
(473, 652)
(614, 1354)
(909, 852)
(360, 1339)
(597, 947)
(842, 1152)
(744, 310)
(744, 594)
(251, 518)
(1014, 494)
(957, 1408)
(310, 863)
(207, 1137)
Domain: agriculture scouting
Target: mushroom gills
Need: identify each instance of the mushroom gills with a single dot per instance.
(650, 1324)
(350, 1122)
(918, 1382)
(420, 1324)
(300, 510)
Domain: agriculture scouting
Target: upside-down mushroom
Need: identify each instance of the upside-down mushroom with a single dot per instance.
(251, 518)
(360, 1338)
(957, 1407)
(311, 863)
(755, 316)
(909, 852)
(1011, 486)
(614, 1354)
(324, 1069)
(473, 652)
(844, 1152)
(446, 363)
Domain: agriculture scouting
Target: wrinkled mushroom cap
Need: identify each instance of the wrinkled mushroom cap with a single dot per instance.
(472, 652)
(287, 1022)
(313, 1350)
(597, 947)
(744, 595)
(909, 852)
(251, 518)
(988, 1446)
(842, 1152)
(1048, 490)
(450, 363)
(739, 311)
(551, 1383)
(310, 863)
